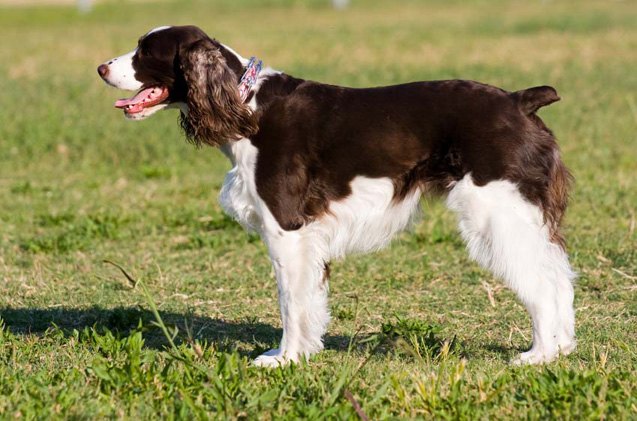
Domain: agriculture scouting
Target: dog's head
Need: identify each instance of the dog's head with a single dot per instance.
(181, 67)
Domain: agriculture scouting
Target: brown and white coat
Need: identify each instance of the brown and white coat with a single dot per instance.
(321, 171)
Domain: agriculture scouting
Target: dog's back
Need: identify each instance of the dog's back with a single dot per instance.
(423, 135)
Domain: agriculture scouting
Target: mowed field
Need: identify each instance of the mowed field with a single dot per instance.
(418, 330)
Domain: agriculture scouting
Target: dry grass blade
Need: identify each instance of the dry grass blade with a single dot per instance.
(357, 407)
(624, 274)
(151, 302)
(132, 281)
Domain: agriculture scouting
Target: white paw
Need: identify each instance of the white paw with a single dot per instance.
(567, 346)
(271, 358)
(535, 357)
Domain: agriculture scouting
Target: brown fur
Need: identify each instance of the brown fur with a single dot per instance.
(557, 199)
(313, 138)
(215, 111)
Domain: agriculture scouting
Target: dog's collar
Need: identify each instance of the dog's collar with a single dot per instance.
(249, 77)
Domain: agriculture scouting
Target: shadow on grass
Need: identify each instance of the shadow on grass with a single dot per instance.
(506, 352)
(246, 337)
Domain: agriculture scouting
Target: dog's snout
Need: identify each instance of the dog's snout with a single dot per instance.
(102, 69)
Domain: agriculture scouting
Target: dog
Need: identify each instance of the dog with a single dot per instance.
(322, 171)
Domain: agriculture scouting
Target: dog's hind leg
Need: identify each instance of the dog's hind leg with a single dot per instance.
(302, 283)
(507, 234)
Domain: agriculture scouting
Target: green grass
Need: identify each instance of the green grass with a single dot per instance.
(414, 331)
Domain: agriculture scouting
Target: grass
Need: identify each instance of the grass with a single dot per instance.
(418, 330)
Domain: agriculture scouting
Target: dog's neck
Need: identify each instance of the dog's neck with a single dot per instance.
(239, 66)
(234, 150)
(275, 84)
(249, 79)
(234, 60)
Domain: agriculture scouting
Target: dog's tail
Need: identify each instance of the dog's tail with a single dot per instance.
(532, 99)
(555, 198)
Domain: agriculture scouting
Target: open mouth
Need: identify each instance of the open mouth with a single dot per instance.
(145, 98)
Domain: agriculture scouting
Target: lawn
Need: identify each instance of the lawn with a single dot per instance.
(418, 330)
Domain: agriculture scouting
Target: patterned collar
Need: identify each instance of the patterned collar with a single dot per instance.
(249, 78)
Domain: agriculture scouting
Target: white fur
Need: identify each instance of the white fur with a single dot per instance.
(506, 234)
(263, 75)
(298, 266)
(238, 196)
(121, 73)
(298, 263)
(244, 61)
(364, 221)
(148, 111)
(157, 29)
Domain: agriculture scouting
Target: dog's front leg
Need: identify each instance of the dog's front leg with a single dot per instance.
(301, 275)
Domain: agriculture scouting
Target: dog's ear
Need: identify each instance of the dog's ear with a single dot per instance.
(216, 113)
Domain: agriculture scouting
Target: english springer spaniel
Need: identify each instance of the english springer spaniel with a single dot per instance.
(321, 171)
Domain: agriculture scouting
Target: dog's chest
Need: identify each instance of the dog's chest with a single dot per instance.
(238, 196)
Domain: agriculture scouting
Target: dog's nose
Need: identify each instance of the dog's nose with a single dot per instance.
(102, 70)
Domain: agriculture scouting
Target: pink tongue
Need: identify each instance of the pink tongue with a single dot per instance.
(143, 98)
